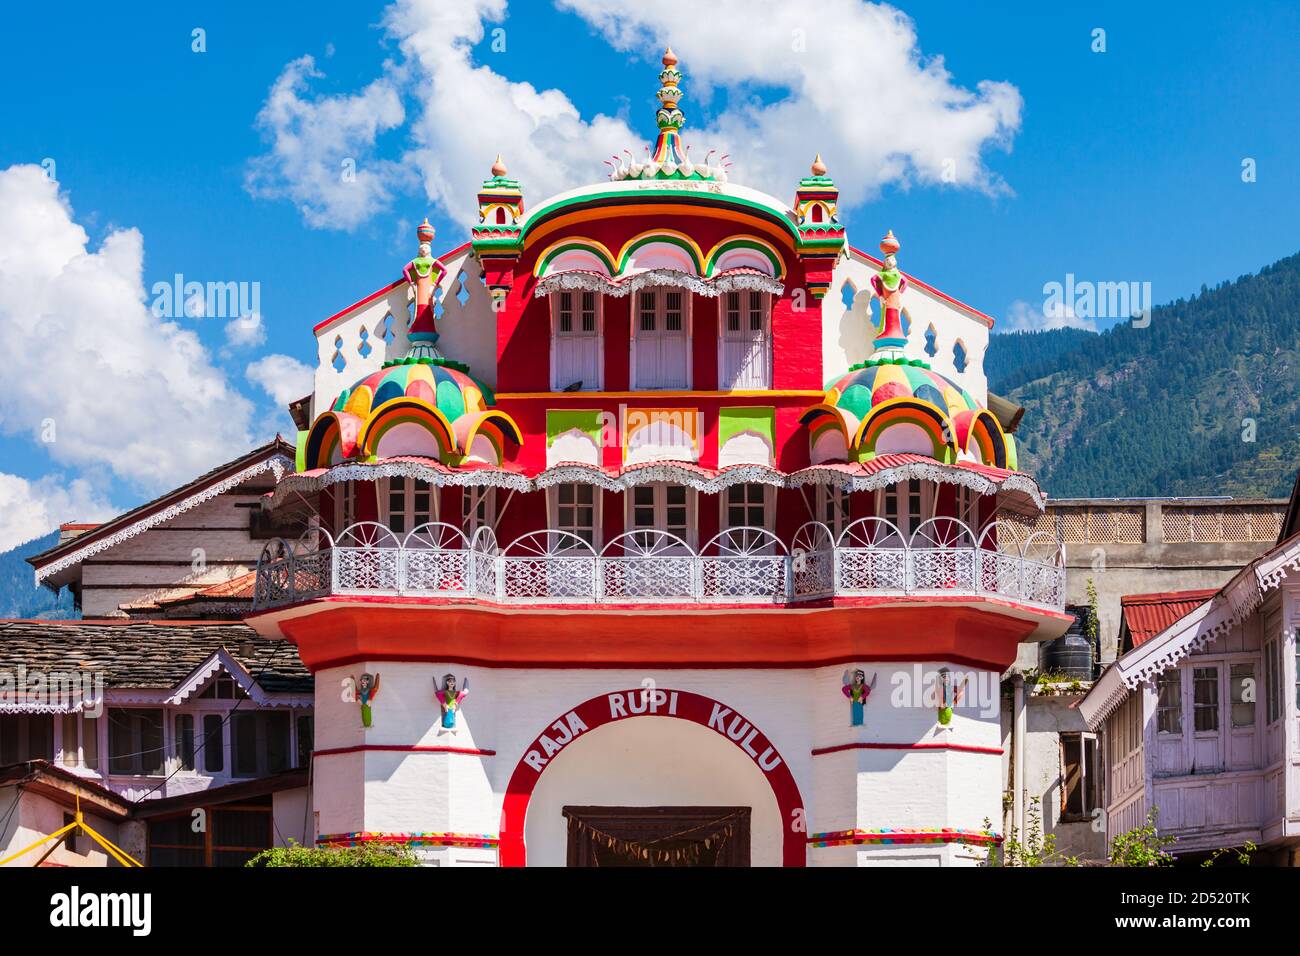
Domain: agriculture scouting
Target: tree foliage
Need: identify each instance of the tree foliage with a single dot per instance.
(1202, 400)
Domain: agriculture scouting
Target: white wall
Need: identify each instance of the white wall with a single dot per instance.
(847, 334)
(624, 763)
(35, 818)
(467, 332)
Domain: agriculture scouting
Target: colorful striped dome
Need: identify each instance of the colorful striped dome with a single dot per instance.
(871, 399)
(864, 388)
(448, 386)
(418, 406)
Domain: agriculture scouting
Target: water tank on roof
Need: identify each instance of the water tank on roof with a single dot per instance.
(1070, 655)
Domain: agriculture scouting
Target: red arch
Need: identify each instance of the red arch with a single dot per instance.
(659, 702)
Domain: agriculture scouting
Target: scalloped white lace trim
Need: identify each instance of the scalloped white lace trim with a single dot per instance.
(617, 288)
(660, 471)
(397, 469)
(669, 471)
(278, 464)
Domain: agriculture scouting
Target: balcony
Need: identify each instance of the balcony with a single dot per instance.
(871, 558)
(741, 565)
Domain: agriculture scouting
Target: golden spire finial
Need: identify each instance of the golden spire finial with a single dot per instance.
(499, 167)
(890, 244)
(670, 58)
(818, 167)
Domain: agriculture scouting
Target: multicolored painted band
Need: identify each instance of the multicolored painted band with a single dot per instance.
(886, 835)
(481, 841)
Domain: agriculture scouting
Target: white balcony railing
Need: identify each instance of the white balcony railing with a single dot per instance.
(740, 565)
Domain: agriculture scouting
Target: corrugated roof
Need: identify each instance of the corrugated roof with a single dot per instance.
(1146, 615)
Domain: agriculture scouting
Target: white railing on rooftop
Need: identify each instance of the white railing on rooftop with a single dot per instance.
(872, 557)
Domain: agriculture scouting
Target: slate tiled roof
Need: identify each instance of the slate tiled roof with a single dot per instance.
(148, 654)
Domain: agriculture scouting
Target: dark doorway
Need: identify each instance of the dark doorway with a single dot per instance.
(658, 836)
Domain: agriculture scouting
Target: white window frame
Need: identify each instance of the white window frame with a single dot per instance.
(597, 333)
(411, 518)
(966, 503)
(72, 753)
(661, 297)
(555, 519)
(345, 506)
(768, 505)
(902, 490)
(261, 717)
(829, 499)
(478, 508)
(1180, 709)
(660, 504)
(745, 310)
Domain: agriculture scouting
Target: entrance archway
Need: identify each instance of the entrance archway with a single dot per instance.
(657, 702)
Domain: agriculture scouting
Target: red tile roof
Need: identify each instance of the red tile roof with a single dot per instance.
(1146, 615)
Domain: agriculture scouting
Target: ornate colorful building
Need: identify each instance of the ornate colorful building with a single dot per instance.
(704, 503)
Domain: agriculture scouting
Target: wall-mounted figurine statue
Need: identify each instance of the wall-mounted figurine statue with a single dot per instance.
(949, 695)
(450, 700)
(367, 690)
(857, 690)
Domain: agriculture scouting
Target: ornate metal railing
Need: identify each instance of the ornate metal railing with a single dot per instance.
(740, 565)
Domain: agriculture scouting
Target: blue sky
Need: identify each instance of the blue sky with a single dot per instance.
(1119, 165)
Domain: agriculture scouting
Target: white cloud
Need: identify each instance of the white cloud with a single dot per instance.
(246, 331)
(860, 91)
(29, 509)
(89, 370)
(282, 377)
(1022, 316)
(857, 88)
(321, 154)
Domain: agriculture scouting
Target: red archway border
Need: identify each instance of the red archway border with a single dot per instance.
(659, 702)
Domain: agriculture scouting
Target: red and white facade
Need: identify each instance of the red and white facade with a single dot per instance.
(590, 463)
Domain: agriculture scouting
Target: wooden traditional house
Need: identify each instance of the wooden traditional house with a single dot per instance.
(203, 533)
(160, 700)
(132, 714)
(1200, 715)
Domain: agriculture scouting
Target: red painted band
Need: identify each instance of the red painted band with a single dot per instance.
(964, 748)
(403, 748)
(637, 664)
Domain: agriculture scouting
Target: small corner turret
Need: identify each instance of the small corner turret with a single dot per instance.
(821, 236)
(496, 239)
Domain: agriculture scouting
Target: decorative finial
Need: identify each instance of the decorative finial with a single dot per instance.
(818, 167)
(424, 232)
(499, 167)
(670, 58)
(888, 286)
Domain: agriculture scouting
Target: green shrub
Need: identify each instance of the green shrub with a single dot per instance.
(1142, 846)
(295, 855)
